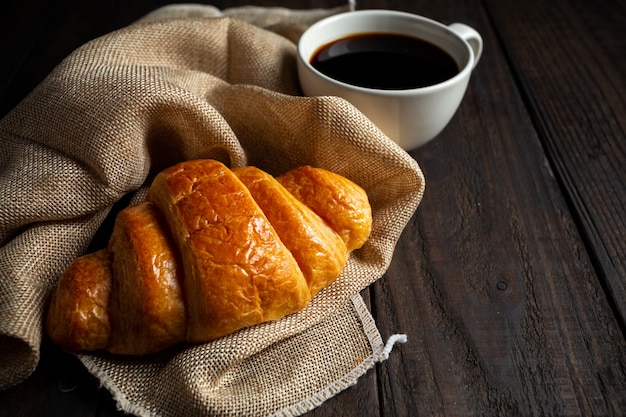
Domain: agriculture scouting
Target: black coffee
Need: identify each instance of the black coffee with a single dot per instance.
(385, 61)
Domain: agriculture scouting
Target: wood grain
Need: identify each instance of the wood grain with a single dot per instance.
(510, 311)
(509, 281)
(575, 95)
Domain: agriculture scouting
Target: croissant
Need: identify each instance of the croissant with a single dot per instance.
(210, 251)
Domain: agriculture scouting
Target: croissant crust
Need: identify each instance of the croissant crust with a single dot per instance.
(211, 251)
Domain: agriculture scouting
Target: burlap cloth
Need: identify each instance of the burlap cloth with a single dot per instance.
(192, 82)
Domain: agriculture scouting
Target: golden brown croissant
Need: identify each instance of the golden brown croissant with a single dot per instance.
(210, 251)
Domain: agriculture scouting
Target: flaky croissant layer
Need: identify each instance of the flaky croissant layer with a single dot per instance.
(210, 251)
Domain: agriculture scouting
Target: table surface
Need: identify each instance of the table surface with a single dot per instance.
(510, 279)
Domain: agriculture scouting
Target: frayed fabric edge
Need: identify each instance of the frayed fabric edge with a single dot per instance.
(121, 402)
(391, 342)
(380, 353)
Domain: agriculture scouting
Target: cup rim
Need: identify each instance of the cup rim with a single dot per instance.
(463, 72)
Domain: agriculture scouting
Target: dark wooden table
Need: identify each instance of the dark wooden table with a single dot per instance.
(510, 280)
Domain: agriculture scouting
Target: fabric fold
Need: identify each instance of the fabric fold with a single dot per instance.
(188, 83)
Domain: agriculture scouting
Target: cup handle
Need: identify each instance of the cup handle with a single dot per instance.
(472, 37)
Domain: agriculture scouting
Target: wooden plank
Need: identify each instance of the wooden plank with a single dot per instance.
(498, 296)
(491, 281)
(56, 29)
(571, 67)
(33, 18)
(28, 58)
(60, 386)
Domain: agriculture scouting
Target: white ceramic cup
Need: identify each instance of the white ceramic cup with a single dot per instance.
(409, 117)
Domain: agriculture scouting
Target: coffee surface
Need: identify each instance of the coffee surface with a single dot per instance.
(385, 61)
